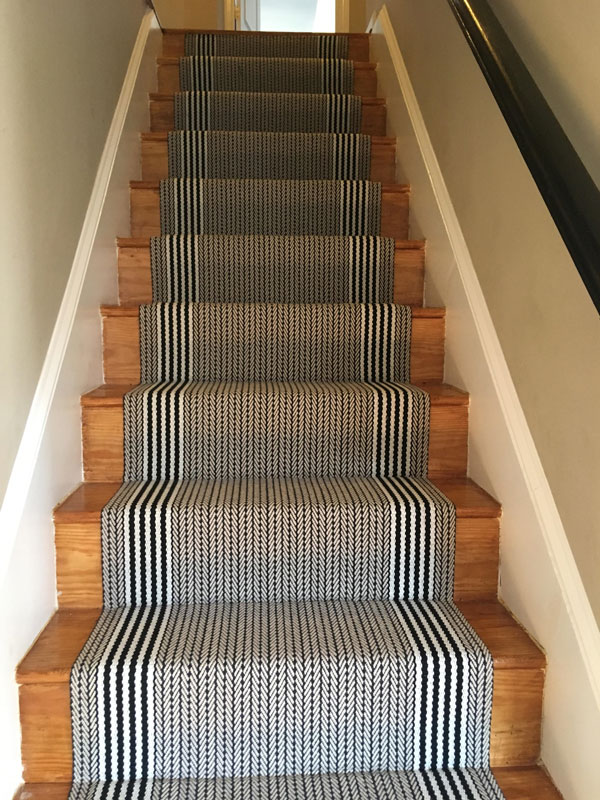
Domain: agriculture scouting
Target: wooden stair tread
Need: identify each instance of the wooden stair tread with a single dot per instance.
(386, 188)
(163, 136)
(131, 310)
(54, 651)
(144, 241)
(366, 101)
(112, 394)
(179, 31)
(52, 655)
(525, 783)
(470, 500)
(509, 643)
(171, 61)
(86, 502)
(517, 783)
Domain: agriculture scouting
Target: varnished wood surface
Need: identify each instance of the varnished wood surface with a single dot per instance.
(43, 791)
(145, 209)
(526, 783)
(44, 674)
(121, 344)
(155, 160)
(517, 783)
(86, 501)
(102, 430)
(78, 543)
(374, 114)
(173, 42)
(135, 285)
(365, 77)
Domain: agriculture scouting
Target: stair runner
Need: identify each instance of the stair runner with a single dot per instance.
(277, 569)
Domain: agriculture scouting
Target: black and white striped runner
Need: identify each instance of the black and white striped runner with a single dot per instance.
(276, 269)
(270, 45)
(237, 74)
(246, 154)
(268, 111)
(255, 430)
(240, 689)
(277, 569)
(277, 539)
(276, 342)
(260, 206)
(463, 784)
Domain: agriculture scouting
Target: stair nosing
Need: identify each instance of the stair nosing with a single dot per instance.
(127, 242)
(112, 394)
(59, 673)
(166, 96)
(171, 61)
(92, 513)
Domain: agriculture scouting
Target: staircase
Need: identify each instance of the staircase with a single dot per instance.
(276, 580)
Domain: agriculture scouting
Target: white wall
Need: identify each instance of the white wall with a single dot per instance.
(83, 162)
(61, 67)
(518, 316)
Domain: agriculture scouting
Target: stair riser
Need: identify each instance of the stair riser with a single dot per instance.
(103, 441)
(155, 160)
(173, 45)
(46, 724)
(79, 564)
(365, 78)
(145, 212)
(121, 341)
(135, 283)
(162, 116)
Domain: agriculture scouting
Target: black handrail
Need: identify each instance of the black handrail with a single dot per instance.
(566, 186)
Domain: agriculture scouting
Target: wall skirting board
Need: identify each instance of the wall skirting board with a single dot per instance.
(73, 365)
(539, 580)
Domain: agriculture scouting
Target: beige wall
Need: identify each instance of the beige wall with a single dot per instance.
(547, 325)
(358, 23)
(207, 14)
(559, 44)
(60, 76)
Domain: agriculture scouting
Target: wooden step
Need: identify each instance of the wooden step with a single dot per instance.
(145, 209)
(102, 432)
(43, 676)
(78, 543)
(365, 77)
(121, 344)
(155, 158)
(173, 42)
(517, 783)
(162, 115)
(135, 284)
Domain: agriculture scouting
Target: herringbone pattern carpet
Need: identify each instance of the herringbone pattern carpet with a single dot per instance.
(277, 569)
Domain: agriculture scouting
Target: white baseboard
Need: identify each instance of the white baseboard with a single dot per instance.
(48, 462)
(553, 605)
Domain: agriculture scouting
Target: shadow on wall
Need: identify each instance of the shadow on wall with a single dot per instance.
(207, 14)
(273, 15)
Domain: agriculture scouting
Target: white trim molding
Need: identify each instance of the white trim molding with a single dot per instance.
(462, 294)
